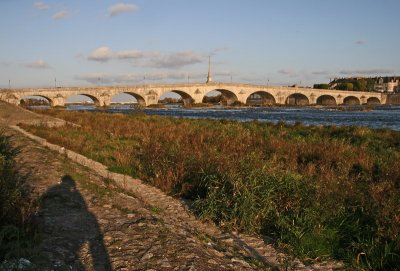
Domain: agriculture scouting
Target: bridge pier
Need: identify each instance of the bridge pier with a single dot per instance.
(58, 101)
(103, 101)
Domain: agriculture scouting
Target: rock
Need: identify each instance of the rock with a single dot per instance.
(147, 256)
(242, 262)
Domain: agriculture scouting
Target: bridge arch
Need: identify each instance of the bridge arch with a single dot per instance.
(228, 97)
(94, 99)
(326, 100)
(373, 101)
(260, 98)
(187, 99)
(351, 100)
(139, 98)
(297, 99)
(39, 98)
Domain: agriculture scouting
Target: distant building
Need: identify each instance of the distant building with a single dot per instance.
(387, 84)
(380, 84)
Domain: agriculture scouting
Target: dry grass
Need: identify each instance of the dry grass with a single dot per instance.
(325, 192)
(16, 209)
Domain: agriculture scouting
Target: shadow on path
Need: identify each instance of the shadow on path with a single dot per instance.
(71, 234)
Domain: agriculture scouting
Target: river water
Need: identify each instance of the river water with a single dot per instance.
(374, 117)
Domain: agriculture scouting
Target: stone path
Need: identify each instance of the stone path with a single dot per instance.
(91, 219)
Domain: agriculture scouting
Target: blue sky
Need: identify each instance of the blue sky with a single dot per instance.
(104, 42)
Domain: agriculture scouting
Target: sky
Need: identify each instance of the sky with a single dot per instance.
(275, 42)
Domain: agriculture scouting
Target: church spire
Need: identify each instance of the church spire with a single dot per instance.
(209, 79)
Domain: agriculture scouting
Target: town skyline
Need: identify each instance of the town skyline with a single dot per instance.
(70, 43)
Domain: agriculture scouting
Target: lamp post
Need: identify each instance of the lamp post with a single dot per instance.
(9, 84)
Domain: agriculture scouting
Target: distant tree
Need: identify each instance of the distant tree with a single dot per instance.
(362, 85)
(214, 99)
(169, 100)
(341, 86)
(349, 86)
(321, 86)
(345, 86)
(370, 84)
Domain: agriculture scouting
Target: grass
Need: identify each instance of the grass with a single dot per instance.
(319, 192)
(16, 210)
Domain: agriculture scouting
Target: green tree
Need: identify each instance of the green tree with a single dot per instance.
(349, 86)
(321, 86)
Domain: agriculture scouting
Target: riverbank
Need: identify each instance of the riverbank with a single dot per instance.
(85, 220)
(82, 221)
(319, 192)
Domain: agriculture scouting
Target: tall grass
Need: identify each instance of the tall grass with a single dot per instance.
(15, 206)
(320, 192)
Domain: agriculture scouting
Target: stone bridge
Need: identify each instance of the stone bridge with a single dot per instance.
(195, 93)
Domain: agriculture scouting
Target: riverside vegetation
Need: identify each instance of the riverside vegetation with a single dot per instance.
(318, 192)
(16, 210)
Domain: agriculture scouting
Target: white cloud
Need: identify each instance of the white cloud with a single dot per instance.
(60, 15)
(101, 54)
(40, 6)
(122, 8)
(175, 60)
(39, 64)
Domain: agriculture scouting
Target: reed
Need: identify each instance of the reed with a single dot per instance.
(319, 192)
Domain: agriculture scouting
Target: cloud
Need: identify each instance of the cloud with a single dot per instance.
(175, 60)
(5, 64)
(361, 42)
(320, 73)
(95, 78)
(121, 8)
(288, 72)
(129, 54)
(60, 15)
(39, 64)
(40, 6)
(214, 51)
(149, 59)
(138, 78)
(101, 54)
(366, 72)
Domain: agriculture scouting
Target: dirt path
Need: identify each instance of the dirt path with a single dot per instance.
(88, 222)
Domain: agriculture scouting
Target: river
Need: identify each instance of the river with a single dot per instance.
(374, 117)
